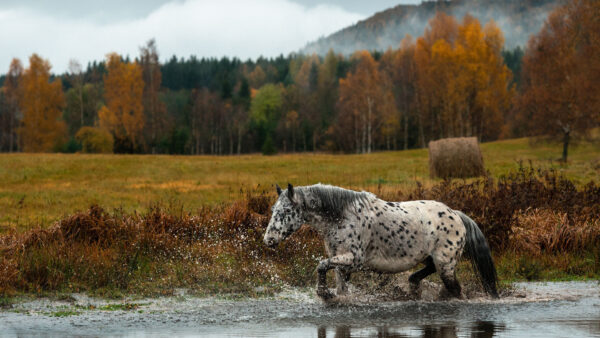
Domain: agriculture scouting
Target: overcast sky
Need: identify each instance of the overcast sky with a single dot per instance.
(85, 30)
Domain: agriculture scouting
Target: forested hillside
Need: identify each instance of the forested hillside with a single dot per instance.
(518, 19)
(457, 78)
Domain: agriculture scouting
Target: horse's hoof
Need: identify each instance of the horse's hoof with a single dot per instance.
(325, 294)
(415, 291)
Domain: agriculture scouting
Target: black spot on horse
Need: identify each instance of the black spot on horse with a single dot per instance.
(390, 204)
(441, 214)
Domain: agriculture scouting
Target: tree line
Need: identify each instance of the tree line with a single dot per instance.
(454, 80)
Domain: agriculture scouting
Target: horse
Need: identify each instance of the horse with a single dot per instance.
(363, 232)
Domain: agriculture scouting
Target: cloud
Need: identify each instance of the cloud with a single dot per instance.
(246, 29)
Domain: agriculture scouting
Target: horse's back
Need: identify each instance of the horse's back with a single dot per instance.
(405, 233)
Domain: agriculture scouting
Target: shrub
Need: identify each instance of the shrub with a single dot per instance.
(95, 140)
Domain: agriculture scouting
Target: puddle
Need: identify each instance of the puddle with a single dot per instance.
(533, 310)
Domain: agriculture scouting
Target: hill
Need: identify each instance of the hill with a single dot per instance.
(517, 19)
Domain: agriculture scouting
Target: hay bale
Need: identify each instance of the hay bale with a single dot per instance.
(458, 157)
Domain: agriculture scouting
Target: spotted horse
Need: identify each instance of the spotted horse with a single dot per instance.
(363, 232)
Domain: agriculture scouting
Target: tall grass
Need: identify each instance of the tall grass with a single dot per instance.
(529, 213)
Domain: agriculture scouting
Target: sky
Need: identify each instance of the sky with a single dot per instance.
(86, 30)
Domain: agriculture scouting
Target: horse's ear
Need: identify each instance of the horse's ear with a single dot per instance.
(278, 189)
(290, 191)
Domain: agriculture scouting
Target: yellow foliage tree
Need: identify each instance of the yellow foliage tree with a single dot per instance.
(41, 102)
(123, 114)
(463, 84)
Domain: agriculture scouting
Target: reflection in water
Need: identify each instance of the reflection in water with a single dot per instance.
(480, 329)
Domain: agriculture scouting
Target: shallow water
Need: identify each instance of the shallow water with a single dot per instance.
(563, 309)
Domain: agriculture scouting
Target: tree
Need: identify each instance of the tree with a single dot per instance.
(207, 122)
(561, 95)
(76, 75)
(88, 97)
(41, 102)
(363, 104)
(463, 86)
(10, 113)
(123, 114)
(154, 109)
(265, 111)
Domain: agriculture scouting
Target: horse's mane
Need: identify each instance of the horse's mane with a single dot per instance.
(332, 200)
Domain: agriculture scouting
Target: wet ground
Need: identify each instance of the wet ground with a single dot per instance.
(563, 309)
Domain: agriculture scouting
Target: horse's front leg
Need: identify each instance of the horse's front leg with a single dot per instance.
(344, 261)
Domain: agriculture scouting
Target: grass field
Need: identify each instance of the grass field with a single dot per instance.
(38, 189)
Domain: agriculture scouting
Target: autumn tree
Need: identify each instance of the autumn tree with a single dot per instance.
(363, 103)
(41, 101)
(561, 70)
(306, 80)
(123, 114)
(10, 107)
(154, 109)
(327, 89)
(82, 100)
(463, 87)
(208, 117)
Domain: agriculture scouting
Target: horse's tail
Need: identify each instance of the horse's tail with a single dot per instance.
(481, 257)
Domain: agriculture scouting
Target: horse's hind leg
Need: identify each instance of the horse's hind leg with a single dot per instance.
(451, 283)
(448, 275)
(416, 278)
(445, 264)
(341, 277)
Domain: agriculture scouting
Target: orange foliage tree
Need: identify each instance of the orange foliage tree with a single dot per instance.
(41, 102)
(123, 114)
(561, 74)
(365, 102)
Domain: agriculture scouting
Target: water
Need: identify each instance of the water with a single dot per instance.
(564, 309)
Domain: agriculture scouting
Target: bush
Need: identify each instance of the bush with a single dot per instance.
(268, 148)
(95, 140)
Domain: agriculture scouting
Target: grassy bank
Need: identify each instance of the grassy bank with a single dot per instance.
(38, 189)
(541, 225)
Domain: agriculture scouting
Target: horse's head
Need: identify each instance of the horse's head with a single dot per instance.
(286, 217)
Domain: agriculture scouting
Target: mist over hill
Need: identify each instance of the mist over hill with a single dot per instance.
(518, 19)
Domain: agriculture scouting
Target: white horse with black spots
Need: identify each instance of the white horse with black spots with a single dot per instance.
(363, 232)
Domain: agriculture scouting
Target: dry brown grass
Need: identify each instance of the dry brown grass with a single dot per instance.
(458, 157)
(543, 231)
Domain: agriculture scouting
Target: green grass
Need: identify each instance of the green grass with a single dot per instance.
(38, 189)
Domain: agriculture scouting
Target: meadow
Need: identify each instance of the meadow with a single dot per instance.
(38, 189)
(117, 225)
